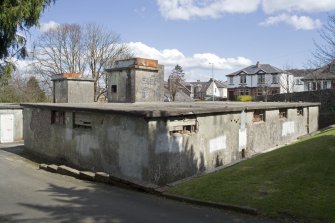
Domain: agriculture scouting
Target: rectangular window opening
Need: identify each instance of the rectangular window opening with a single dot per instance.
(114, 88)
(58, 117)
(300, 111)
(283, 113)
(186, 126)
(82, 120)
(259, 116)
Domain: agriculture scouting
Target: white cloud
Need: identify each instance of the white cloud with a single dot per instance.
(186, 9)
(298, 22)
(271, 6)
(44, 27)
(196, 66)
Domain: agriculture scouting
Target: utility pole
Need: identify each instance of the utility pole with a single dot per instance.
(212, 79)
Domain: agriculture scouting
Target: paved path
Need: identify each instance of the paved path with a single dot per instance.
(31, 195)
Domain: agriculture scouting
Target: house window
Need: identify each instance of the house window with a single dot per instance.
(259, 116)
(283, 113)
(275, 91)
(243, 79)
(274, 79)
(298, 81)
(261, 78)
(58, 117)
(114, 88)
(247, 92)
(300, 111)
(82, 120)
(231, 80)
(324, 85)
(314, 86)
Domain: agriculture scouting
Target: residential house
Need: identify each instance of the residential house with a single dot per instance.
(319, 79)
(204, 90)
(259, 79)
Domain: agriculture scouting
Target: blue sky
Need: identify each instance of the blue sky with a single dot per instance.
(231, 34)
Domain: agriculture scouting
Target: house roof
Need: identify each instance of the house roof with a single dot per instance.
(323, 73)
(254, 69)
(299, 72)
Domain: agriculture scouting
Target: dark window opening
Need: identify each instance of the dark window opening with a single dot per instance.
(114, 88)
(259, 116)
(300, 111)
(58, 117)
(243, 153)
(283, 113)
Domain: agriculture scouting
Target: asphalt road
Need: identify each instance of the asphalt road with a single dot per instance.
(28, 194)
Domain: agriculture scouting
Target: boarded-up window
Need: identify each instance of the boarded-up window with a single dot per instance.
(58, 117)
(259, 116)
(184, 126)
(82, 120)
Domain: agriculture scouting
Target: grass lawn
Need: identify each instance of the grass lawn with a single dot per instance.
(297, 180)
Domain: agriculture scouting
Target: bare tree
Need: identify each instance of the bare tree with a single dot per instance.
(78, 49)
(325, 51)
(57, 51)
(103, 47)
(174, 81)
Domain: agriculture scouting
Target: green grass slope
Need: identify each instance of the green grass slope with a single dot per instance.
(297, 180)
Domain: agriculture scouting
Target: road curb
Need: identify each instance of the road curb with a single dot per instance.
(105, 178)
(241, 209)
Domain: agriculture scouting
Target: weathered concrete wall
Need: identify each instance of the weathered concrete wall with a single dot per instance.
(116, 144)
(80, 91)
(220, 140)
(160, 150)
(148, 86)
(60, 91)
(73, 90)
(18, 121)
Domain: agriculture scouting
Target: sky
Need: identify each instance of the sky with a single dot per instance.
(205, 37)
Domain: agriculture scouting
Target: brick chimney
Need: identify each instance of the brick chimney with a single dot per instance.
(257, 64)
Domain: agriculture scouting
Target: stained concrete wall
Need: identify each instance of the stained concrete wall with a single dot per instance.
(73, 90)
(136, 80)
(15, 110)
(147, 149)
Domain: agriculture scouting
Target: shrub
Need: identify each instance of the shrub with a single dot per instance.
(244, 98)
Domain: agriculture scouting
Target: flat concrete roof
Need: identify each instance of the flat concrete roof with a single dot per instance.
(170, 109)
(10, 106)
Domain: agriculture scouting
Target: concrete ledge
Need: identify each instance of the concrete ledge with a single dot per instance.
(87, 175)
(43, 166)
(68, 171)
(52, 168)
(240, 209)
(102, 177)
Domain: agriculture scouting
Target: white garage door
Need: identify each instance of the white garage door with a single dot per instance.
(6, 128)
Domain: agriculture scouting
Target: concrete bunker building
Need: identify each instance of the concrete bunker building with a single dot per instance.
(162, 142)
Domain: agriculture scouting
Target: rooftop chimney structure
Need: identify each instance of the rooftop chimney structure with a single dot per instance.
(135, 80)
(72, 88)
